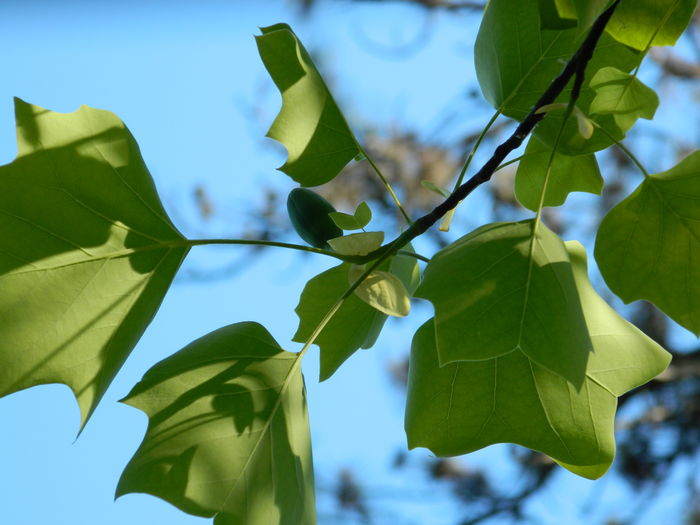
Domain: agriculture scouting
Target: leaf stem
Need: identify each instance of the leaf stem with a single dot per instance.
(625, 150)
(386, 185)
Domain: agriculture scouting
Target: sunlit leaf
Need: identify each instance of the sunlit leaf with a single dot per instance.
(382, 291)
(357, 243)
(498, 290)
(567, 174)
(87, 252)
(310, 125)
(228, 431)
(648, 246)
(363, 214)
(636, 22)
(356, 324)
(516, 62)
(622, 95)
(464, 406)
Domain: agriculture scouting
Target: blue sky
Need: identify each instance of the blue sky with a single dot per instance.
(182, 76)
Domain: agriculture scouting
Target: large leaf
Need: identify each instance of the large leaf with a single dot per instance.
(622, 95)
(504, 288)
(464, 406)
(310, 125)
(356, 324)
(228, 431)
(86, 252)
(567, 174)
(516, 62)
(637, 23)
(648, 246)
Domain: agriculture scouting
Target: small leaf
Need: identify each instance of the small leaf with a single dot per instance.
(310, 125)
(622, 95)
(87, 252)
(356, 324)
(382, 290)
(357, 243)
(460, 407)
(649, 244)
(585, 126)
(567, 174)
(228, 431)
(504, 288)
(345, 221)
(363, 214)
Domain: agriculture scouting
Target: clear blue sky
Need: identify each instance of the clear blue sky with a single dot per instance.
(182, 76)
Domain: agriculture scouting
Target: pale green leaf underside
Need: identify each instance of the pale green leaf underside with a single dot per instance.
(516, 62)
(382, 291)
(86, 252)
(648, 246)
(567, 174)
(622, 95)
(228, 432)
(356, 324)
(357, 243)
(464, 406)
(310, 125)
(492, 298)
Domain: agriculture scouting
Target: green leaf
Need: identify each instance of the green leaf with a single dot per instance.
(464, 406)
(310, 125)
(382, 291)
(504, 288)
(87, 252)
(357, 243)
(356, 324)
(434, 188)
(622, 95)
(363, 214)
(516, 62)
(648, 246)
(228, 431)
(637, 23)
(551, 17)
(567, 174)
(345, 221)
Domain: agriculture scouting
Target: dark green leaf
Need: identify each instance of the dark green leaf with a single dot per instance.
(228, 431)
(567, 174)
(87, 252)
(310, 125)
(648, 246)
(464, 406)
(504, 288)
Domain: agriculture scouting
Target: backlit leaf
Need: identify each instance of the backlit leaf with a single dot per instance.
(467, 405)
(567, 174)
(622, 95)
(382, 291)
(228, 431)
(648, 246)
(516, 62)
(357, 243)
(356, 324)
(87, 252)
(310, 125)
(498, 290)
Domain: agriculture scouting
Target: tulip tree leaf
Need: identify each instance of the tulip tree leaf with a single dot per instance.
(622, 95)
(467, 405)
(567, 174)
(87, 252)
(228, 432)
(356, 324)
(504, 288)
(310, 125)
(356, 221)
(357, 243)
(382, 290)
(516, 62)
(636, 22)
(648, 246)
